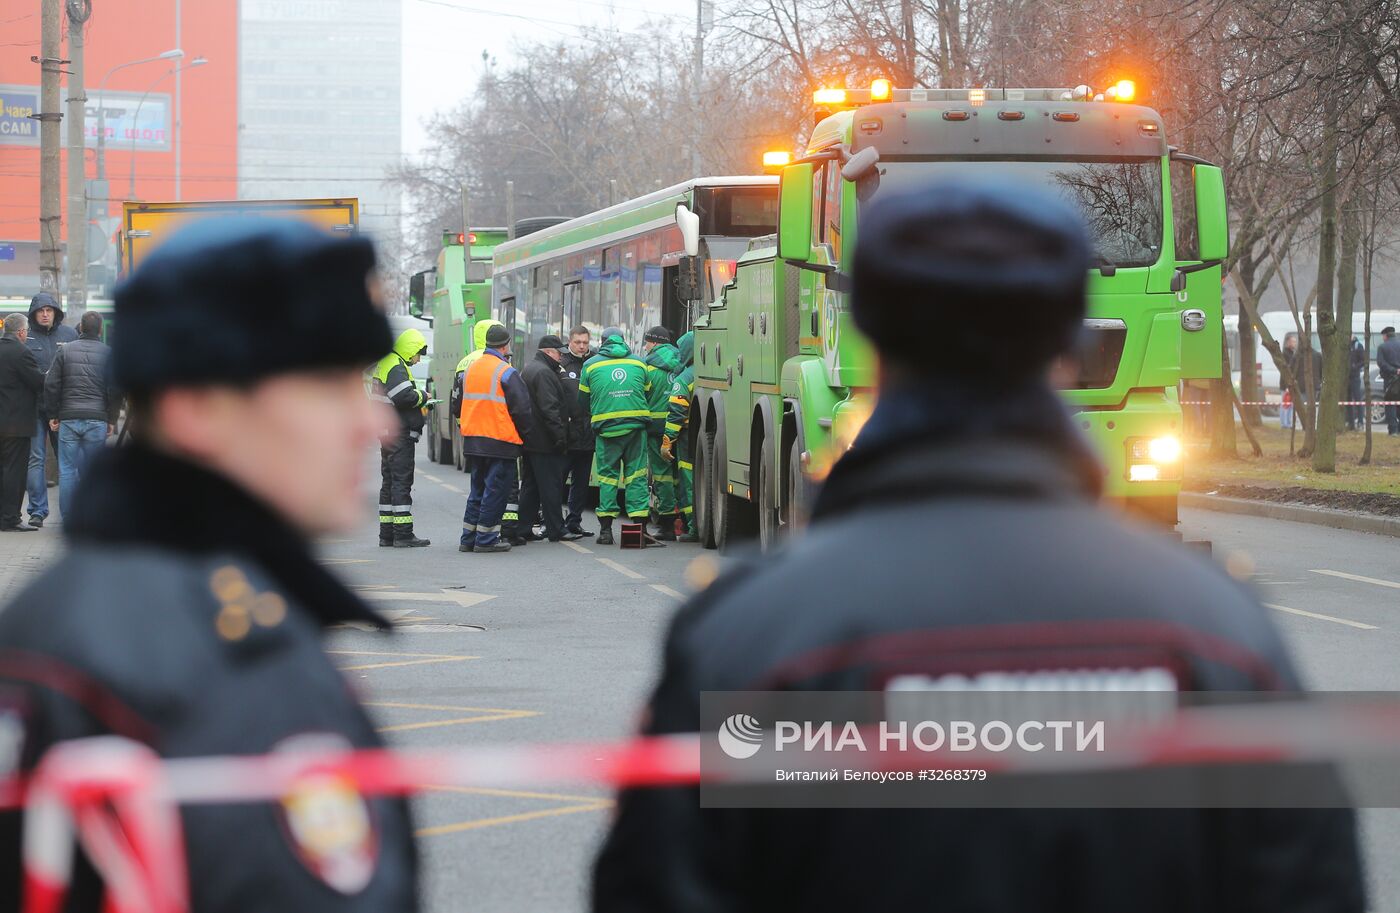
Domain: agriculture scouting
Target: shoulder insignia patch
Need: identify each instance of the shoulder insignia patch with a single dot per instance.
(241, 606)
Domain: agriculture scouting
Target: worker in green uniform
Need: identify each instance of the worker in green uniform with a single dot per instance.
(613, 390)
(663, 362)
(675, 439)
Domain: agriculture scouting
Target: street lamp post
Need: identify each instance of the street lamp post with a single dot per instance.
(135, 118)
(173, 54)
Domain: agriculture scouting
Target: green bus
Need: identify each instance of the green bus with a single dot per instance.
(645, 262)
(461, 292)
(783, 379)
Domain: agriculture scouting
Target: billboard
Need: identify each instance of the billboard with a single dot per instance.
(130, 117)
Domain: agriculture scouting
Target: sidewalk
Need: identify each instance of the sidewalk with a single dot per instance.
(24, 555)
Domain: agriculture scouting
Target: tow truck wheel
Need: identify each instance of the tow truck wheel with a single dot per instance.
(704, 519)
(770, 526)
(717, 488)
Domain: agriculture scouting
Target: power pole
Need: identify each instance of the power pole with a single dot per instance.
(510, 209)
(701, 8)
(78, 13)
(50, 197)
(466, 236)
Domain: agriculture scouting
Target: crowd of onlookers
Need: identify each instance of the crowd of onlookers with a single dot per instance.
(54, 395)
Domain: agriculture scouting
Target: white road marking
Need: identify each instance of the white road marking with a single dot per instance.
(1321, 617)
(452, 488)
(461, 597)
(1357, 577)
(622, 569)
(578, 548)
(662, 588)
(345, 560)
(427, 475)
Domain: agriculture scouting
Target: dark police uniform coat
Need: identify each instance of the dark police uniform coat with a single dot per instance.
(199, 632)
(930, 556)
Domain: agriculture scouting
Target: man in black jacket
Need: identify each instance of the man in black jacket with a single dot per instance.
(1388, 364)
(198, 631)
(47, 336)
(581, 442)
(959, 538)
(546, 446)
(20, 386)
(80, 404)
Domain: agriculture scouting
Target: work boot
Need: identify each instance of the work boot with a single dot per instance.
(580, 531)
(466, 547)
(688, 536)
(605, 536)
(668, 529)
(497, 546)
(404, 538)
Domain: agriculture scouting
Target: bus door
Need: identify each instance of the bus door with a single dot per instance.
(573, 308)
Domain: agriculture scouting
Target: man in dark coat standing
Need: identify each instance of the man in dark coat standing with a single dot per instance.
(546, 446)
(198, 631)
(20, 386)
(959, 537)
(81, 404)
(581, 441)
(47, 334)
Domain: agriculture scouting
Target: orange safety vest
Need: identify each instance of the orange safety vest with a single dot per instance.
(484, 412)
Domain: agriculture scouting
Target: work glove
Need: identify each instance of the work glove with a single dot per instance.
(666, 445)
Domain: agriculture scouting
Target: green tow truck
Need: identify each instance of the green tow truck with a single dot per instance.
(460, 294)
(784, 381)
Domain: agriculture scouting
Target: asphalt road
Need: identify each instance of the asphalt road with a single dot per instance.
(1336, 596)
(568, 652)
(553, 642)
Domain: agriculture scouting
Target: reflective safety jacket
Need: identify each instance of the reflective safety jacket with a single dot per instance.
(614, 388)
(681, 388)
(662, 363)
(496, 415)
(392, 383)
(478, 349)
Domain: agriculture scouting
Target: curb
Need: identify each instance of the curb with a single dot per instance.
(1297, 513)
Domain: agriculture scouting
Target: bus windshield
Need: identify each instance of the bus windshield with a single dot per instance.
(1120, 198)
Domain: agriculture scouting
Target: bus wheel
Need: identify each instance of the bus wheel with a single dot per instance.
(704, 517)
(770, 526)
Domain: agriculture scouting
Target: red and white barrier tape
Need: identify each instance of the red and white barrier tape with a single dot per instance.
(121, 802)
(1374, 402)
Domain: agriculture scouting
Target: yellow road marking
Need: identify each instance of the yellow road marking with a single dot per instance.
(662, 588)
(578, 548)
(1321, 617)
(452, 488)
(419, 659)
(622, 569)
(1357, 577)
(517, 793)
(458, 828)
(479, 715)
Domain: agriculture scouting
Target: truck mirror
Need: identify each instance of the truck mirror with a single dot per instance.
(688, 279)
(416, 293)
(689, 224)
(1212, 220)
(795, 214)
(861, 164)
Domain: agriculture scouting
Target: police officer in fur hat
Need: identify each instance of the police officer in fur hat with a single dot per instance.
(197, 630)
(959, 541)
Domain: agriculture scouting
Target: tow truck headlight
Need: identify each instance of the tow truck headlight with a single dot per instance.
(1153, 459)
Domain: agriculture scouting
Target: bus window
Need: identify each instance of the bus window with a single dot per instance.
(593, 296)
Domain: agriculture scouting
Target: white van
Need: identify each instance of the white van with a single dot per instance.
(1280, 323)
